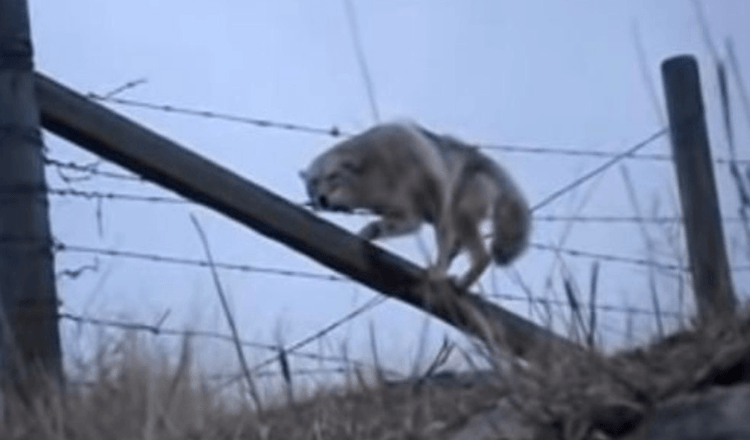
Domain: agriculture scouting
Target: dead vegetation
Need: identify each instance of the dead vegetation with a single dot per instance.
(596, 396)
(133, 393)
(136, 392)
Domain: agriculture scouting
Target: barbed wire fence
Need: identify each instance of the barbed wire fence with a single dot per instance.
(71, 173)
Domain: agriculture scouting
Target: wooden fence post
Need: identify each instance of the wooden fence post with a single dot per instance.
(29, 337)
(700, 207)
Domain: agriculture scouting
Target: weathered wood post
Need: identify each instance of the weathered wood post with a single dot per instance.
(29, 337)
(712, 281)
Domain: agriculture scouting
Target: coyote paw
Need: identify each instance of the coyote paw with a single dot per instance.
(437, 278)
(371, 231)
(434, 274)
(464, 283)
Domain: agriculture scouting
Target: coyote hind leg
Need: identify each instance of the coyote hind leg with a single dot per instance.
(448, 248)
(480, 257)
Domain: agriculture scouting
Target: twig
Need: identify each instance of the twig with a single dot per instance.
(735, 66)
(158, 330)
(650, 247)
(127, 86)
(228, 313)
(648, 80)
(734, 171)
(75, 273)
(591, 338)
(575, 309)
(354, 28)
(374, 301)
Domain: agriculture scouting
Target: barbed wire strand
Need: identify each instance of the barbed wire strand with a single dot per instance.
(175, 200)
(61, 247)
(620, 219)
(231, 377)
(609, 257)
(333, 131)
(127, 86)
(90, 195)
(336, 278)
(336, 132)
(91, 169)
(93, 195)
(604, 307)
(165, 331)
(271, 373)
(377, 300)
(294, 349)
(655, 157)
(372, 303)
(577, 182)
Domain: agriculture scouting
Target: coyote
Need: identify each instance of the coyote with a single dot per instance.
(409, 175)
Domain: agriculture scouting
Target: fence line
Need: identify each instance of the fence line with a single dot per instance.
(231, 378)
(295, 373)
(165, 331)
(582, 305)
(335, 132)
(619, 219)
(90, 169)
(598, 170)
(654, 157)
(609, 257)
(93, 195)
(372, 303)
(293, 349)
(264, 123)
(60, 247)
(558, 193)
(97, 195)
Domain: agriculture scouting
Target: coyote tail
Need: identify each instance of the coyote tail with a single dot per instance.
(511, 227)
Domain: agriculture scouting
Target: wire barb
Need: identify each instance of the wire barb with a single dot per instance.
(61, 247)
(264, 123)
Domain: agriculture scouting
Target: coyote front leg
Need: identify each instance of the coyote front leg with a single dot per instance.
(448, 247)
(390, 227)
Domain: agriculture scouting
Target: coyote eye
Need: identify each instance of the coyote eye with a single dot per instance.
(352, 167)
(333, 178)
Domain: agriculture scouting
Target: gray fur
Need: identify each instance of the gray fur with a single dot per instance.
(408, 176)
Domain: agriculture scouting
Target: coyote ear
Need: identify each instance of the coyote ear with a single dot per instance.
(303, 175)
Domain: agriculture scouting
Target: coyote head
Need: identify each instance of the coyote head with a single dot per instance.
(333, 182)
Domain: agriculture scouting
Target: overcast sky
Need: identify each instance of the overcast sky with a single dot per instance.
(542, 73)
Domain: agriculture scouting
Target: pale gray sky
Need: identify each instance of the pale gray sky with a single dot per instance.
(546, 73)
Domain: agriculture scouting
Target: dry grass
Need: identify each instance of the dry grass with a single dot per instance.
(132, 392)
(591, 395)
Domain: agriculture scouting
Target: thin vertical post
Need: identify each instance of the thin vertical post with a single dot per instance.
(30, 351)
(712, 281)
